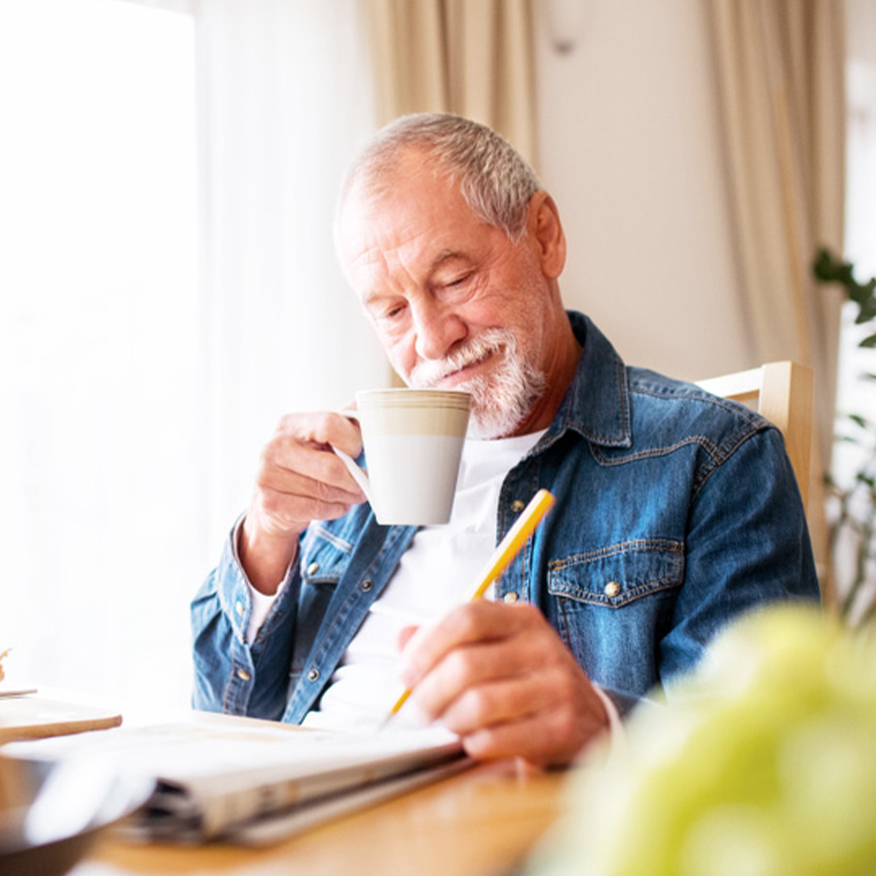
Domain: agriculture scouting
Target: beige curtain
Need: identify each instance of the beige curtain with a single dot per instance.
(471, 57)
(780, 72)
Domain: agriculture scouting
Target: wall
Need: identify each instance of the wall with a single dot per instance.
(630, 148)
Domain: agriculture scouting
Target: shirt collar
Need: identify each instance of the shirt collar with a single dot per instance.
(597, 404)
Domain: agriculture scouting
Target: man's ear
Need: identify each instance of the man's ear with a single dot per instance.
(546, 231)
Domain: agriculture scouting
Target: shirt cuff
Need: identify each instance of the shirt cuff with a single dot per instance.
(260, 603)
(616, 730)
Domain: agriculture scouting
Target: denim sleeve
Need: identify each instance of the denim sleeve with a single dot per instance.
(232, 675)
(747, 545)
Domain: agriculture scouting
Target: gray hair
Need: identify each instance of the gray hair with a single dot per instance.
(495, 180)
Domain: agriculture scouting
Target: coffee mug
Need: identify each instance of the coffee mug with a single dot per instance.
(413, 441)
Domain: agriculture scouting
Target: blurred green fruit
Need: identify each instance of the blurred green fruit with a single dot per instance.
(762, 763)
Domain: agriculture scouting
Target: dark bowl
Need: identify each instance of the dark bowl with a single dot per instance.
(61, 807)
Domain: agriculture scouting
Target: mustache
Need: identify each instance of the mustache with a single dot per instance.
(427, 374)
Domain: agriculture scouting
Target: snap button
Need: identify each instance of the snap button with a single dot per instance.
(367, 585)
(243, 675)
(313, 675)
(612, 589)
(518, 505)
(313, 568)
(510, 597)
(238, 607)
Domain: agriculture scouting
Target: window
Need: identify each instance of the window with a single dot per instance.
(99, 543)
(856, 395)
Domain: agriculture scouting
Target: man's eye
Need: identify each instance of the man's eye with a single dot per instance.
(393, 312)
(458, 281)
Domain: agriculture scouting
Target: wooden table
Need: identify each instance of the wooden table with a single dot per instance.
(479, 823)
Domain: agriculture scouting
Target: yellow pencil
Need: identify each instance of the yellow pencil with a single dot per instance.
(505, 552)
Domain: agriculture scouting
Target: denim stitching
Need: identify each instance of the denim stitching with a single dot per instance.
(712, 449)
(330, 537)
(702, 396)
(664, 582)
(657, 586)
(717, 456)
(619, 548)
(701, 481)
(754, 423)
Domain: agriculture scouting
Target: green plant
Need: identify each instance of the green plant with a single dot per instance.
(853, 517)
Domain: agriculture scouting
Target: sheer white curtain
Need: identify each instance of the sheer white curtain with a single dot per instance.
(135, 395)
(287, 102)
(861, 139)
(855, 394)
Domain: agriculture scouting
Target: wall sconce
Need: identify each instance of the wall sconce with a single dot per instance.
(565, 20)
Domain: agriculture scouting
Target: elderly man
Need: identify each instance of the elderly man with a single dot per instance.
(675, 510)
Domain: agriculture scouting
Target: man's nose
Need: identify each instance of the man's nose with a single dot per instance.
(438, 330)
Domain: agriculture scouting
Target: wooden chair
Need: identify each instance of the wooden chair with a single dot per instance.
(781, 392)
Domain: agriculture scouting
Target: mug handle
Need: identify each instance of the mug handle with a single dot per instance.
(358, 474)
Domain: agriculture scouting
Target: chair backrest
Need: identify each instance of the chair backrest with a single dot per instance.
(781, 392)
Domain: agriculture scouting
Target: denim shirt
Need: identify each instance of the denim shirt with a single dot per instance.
(675, 511)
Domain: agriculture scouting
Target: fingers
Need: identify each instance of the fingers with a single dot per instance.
(472, 664)
(500, 677)
(479, 621)
(306, 485)
(302, 445)
(492, 702)
(300, 479)
(548, 738)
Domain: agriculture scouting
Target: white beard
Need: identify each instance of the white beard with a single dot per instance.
(501, 400)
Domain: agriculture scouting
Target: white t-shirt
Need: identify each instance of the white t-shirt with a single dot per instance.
(438, 571)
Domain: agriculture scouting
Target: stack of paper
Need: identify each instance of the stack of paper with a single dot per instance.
(254, 782)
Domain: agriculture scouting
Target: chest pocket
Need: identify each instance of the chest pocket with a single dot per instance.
(620, 574)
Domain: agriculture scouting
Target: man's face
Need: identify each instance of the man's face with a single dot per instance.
(456, 304)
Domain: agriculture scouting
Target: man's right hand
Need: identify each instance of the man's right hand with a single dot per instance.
(299, 480)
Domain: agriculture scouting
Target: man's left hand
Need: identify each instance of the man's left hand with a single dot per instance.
(500, 677)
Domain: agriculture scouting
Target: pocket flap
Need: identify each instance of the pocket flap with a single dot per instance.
(616, 575)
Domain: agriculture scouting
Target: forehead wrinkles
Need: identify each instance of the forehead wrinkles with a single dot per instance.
(392, 264)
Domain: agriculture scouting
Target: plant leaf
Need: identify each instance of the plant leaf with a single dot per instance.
(866, 313)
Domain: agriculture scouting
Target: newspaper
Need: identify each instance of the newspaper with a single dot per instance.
(254, 781)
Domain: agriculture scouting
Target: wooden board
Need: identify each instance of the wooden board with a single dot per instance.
(37, 717)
